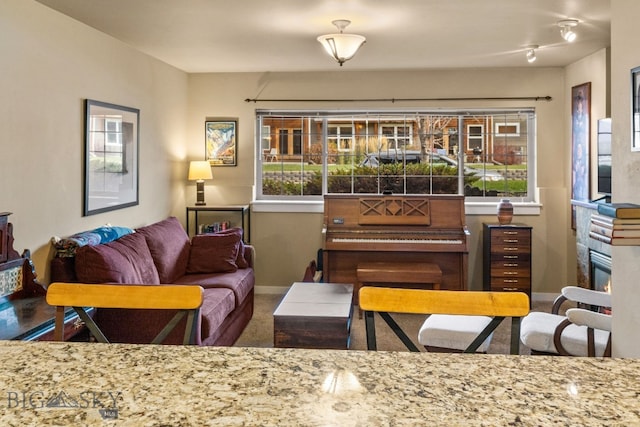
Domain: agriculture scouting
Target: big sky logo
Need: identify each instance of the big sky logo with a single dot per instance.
(106, 402)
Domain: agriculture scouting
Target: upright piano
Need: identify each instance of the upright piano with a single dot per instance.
(395, 228)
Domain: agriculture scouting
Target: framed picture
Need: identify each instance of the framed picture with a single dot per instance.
(635, 109)
(580, 144)
(220, 141)
(110, 157)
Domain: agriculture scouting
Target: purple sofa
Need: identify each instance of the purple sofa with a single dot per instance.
(162, 253)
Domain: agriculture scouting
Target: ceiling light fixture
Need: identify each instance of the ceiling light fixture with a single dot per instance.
(342, 47)
(531, 53)
(566, 29)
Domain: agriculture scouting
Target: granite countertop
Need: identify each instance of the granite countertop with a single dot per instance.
(65, 384)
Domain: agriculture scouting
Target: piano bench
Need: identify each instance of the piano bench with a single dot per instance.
(396, 273)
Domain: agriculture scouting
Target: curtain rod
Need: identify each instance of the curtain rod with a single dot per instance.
(393, 100)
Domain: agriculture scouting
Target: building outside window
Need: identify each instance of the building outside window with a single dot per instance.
(483, 155)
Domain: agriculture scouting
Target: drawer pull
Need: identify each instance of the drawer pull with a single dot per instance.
(511, 256)
(515, 233)
(510, 240)
(510, 249)
(510, 289)
(510, 281)
(510, 265)
(511, 273)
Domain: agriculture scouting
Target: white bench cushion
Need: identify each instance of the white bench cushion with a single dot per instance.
(537, 329)
(453, 331)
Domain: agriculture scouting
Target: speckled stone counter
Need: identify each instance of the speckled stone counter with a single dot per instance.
(72, 384)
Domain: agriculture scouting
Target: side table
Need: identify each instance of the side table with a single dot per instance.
(242, 210)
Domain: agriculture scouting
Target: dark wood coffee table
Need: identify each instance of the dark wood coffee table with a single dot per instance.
(314, 315)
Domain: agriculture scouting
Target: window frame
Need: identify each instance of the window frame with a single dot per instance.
(526, 115)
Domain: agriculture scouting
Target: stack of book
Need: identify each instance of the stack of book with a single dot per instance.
(213, 228)
(616, 224)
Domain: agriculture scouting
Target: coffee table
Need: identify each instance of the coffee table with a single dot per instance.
(314, 315)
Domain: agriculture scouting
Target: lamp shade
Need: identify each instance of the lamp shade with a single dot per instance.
(200, 170)
(342, 47)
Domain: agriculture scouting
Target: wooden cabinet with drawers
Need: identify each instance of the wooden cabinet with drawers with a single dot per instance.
(507, 258)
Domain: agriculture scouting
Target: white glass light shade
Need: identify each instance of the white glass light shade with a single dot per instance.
(342, 46)
(200, 170)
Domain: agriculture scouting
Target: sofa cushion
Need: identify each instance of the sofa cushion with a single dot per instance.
(241, 262)
(241, 282)
(213, 253)
(217, 304)
(169, 246)
(126, 260)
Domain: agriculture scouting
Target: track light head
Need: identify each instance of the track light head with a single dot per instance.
(531, 53)
(566, 29)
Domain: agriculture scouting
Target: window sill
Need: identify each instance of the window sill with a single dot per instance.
(317, 206)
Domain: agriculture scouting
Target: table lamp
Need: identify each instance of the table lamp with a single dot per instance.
(199, 171)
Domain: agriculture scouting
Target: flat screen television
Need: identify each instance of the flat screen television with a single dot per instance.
(604, 157)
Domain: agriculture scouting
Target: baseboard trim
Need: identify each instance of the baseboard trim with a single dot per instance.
(281, 290)
(543, 296)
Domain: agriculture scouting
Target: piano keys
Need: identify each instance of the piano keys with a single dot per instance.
(395, 228)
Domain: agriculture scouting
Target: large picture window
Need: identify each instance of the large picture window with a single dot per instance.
(313, 153)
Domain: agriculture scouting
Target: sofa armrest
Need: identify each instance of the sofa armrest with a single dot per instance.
(249, 255)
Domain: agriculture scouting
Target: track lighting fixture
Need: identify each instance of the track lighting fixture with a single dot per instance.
(566, 29)
(531, 53)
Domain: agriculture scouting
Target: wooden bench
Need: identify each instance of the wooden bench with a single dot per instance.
(394, 273)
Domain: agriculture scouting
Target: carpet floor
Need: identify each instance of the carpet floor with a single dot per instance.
(259, 331)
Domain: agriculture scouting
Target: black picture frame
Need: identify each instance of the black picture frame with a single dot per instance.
(111, 157)
(221, 136)
(635, 109)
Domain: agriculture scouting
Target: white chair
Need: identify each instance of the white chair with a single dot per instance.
(469, 318)
(447, 333)
(270, 155)
(581, 332)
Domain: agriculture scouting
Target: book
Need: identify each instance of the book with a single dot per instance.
(615, 241)
(614, 231)
(611, 220)
(619, 210)
(615, 225)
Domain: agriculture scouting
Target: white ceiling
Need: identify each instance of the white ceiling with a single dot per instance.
(262, 35)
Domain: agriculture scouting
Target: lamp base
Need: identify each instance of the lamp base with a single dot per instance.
(200, 193)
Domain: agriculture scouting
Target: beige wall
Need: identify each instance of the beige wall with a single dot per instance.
(49, 65)
(285, 242)
(625, 55)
